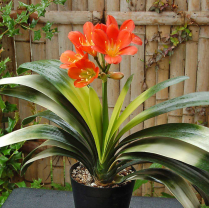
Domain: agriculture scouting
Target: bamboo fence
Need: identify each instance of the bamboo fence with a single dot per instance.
(190, 58)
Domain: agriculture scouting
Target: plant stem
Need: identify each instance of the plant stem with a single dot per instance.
(100, 66)
(104, 109)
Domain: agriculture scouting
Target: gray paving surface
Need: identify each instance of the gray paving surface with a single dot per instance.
(39, 198)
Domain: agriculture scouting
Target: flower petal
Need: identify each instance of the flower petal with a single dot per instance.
(87, 30)
(100, 38)
(79, 50)
(111, 20)
(67, 57)
(76, 38)
(84, 64)
(98, 49)
(113, 60)
(90, 50)
(78, 83)
(124, 38)
(136, 40)
(129, 50)
(74, 72)
(112, 32)
(128, 25)
(101, 27)
(64, 66)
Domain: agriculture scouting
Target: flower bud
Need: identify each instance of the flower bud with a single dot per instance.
(116, 75)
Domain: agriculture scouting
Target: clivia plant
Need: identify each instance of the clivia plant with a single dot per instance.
(87, 134)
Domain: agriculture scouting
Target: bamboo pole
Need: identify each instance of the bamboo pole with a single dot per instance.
(139, 18)
(191, 63)
(137, 68)
(148, 18)
(113, 85)
(65, 44)
(125, 68)
(203, 62)
(162, 75)
(112, 5)
(177, 66)
(150, 80)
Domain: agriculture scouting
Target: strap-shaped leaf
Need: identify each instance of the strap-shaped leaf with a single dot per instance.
(85, 159)
(195, 175)
(193, 99)
(144, 96)
(191, 133)
(203, 195)
(174, 183)
(171, 148)
(64, 125)
(50, 70)
(117, 109)
(54, 151)
(34, 96)
(39, 83)
(96, 114)
(43, 131)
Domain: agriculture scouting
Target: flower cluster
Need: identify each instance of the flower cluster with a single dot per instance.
(107, 39)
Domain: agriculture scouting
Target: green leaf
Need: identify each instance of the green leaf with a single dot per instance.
(143, 97)
(156, 165)
(172, 148)
(96, 114)
(165, 195)
(47, 27)
(174, 183)
(193, 99)
(16, 166)
(11, 125)
(191, 133)
(33, 23)
(21, 184)
(6, 152)
(60, 1)
(2, 104)
(36, 183)
(196, 176)
(117, 110)
(138, 184)
(54, 151)
(37, 35)
(9, 107)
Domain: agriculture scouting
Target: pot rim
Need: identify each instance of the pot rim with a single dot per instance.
(72, 168)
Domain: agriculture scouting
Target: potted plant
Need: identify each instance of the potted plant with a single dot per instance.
(87, 134)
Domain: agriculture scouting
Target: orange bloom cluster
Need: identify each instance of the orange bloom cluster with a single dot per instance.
(108, 39)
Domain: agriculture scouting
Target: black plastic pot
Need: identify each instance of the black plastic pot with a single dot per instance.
(91, 197)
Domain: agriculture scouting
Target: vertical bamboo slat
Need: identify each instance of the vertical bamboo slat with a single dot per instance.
(177, 66)
(203, 62)
(191, 63)
(137, 68)
(113, 85)
(162, 75)
(125, 68)
(52, 52)
(150, 80)
(65, 44)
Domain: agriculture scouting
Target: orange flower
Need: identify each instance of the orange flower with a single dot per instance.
(113, 43)
(84, 71)
(84, 41)
(69, 57)
(127, 25)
